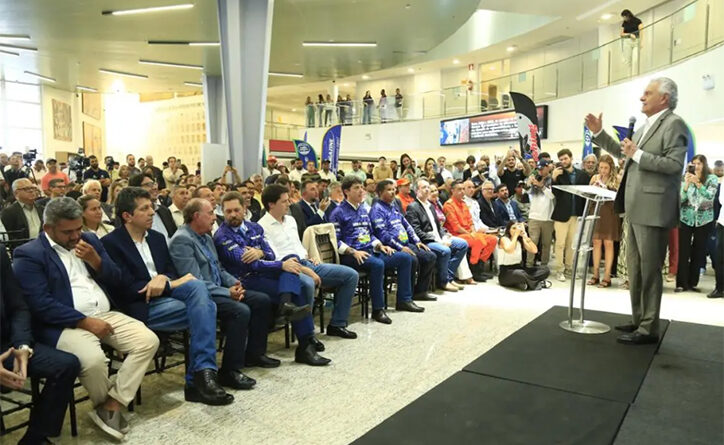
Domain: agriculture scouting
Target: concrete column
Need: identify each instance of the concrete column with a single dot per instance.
(245, 34)
(215, 108)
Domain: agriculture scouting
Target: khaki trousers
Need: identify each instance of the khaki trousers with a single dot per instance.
(540, 231)
(130, 337)
(565, 232)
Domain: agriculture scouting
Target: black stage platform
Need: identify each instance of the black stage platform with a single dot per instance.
(546, 385)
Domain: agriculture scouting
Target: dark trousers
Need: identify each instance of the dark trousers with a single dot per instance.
(59, 369)
(719, 258)
(284, 283)
(423, 265)
(246, 326)
(375, 266)
(692, 254)
(517, 276)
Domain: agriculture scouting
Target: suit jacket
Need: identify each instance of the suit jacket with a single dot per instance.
(187, 253)
(15, 319)
(256, 210)
(311, 218)
(649, 191)
(167, 219)
(327, 213)
(123, 251)
(565, 207)
(43, 278)
(490, 216)
(298, 214)
(502, 212)
(15, 223)
(158, 174)
(418, 219)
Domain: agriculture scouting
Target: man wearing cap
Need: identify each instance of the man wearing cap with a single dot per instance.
(403, 193)
(542, 202)
(326, 173)
(458, 171)
(522, 199)
(271, 167)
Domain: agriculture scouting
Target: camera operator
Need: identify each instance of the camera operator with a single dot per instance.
(95, 172)
(14, 172)
(39, 171)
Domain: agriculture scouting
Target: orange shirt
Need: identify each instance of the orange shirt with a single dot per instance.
(405, 201)
(458, 215)
(45, 182)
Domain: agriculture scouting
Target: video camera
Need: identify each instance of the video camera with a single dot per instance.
(29, 157)
(77, 163)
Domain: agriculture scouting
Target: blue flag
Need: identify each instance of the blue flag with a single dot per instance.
(330, 146)
(305, 152)
(587, 142)
(621, 132)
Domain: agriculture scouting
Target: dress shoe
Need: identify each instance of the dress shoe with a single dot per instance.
(263, 361)
(424, 297)
(340, 331)
(479, 278)
(449, 287)
(626, 327)
(637, 338)
(206, 389)
(293, 312)
(408, 306)
(679, 289)
(460, 286)
(318, 345)
(235, 380)
(380, 316)
(716, 294)
(466, 282)
(308, 355)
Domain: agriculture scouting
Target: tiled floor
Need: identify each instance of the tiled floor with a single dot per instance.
(370, 378)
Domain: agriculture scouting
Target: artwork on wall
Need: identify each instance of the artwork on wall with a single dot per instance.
(92, 140)
(62, 121)
(92, 105)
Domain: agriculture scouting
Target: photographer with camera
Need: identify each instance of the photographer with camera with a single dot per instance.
(100, 175)
(39, 171)
(542, 201)
(15, 171)
(513, 273)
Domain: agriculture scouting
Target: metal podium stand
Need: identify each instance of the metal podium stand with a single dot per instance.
(582, 245)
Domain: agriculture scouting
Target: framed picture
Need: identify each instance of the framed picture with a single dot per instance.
(92, 140)
(62, 121)
(92, 105)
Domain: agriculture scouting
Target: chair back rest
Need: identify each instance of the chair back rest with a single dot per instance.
(320, 241)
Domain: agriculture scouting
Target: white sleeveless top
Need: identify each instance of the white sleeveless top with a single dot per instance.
(510, 259)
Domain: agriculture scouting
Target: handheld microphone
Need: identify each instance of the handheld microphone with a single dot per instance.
(630, 132)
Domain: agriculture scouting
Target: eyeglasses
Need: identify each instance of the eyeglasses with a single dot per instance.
(26, 189)
(151, 184)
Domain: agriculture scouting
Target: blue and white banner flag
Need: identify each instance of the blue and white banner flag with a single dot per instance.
(330, 146)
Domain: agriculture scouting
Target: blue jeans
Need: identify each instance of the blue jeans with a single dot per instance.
(188, 307)
(342, 278)
(375, 266)
(448, 259)
(367, 114)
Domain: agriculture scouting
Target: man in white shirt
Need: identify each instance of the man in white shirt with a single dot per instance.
(444, 172)
(326, 173)
(271, 167)
(280, 231)
(298, 171)
(357, 171)
(172, 174)
(542, 203)
(66, 276)
(179, 197)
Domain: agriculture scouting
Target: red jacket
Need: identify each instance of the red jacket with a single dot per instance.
(458, 215)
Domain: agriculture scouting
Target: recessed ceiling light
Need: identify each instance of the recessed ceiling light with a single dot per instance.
(88, 89)
(511, 48)
(294, 109)
(606, 16)
(122, 73)
(342, 44)
(456, 61)
(204, 43)
(365, 77)
(171, 64)
(345, 84)
(296, 75)
(10, 53)
(14, 37)
(194, 84)
(493, 68)
(21, 48)
(39, 76)
(411, 70)
(596, 10)
(148, 10)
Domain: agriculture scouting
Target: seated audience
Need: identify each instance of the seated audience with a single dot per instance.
(163, 222)
(253, 206)
(53, 173)
(450, 251)
(335, 198)
(513, 272)
(93, 216)
(507, 209)
(23, 219)
(66, 276)
(360, 250)
(179, 198)
(242, 313)
(154, 293)
(311, 207)
(243, 251)
(21, 357)
(280, 231)
(489, 211)
(56, 189)
(404, 197)
(204, 192)
(93, 187)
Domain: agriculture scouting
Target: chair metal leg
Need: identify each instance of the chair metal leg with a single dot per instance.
(73, 416)
(286, 336)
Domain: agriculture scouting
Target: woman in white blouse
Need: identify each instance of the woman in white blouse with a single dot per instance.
(513, 272)
(93, 216)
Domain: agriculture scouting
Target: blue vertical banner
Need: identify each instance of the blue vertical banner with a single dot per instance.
(690, 146)
(587, 142)
(621, 132)
(305, 152)
(330, 146)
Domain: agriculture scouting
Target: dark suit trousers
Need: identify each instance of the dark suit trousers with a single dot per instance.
(691, 255)
(423, 265)
(246, 326)
(719, 257)
(59, 369)
(646, 249)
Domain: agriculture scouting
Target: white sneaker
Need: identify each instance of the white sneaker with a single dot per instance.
(109, 422)
(561, 277)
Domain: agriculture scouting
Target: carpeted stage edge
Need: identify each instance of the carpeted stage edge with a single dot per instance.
(546, 385)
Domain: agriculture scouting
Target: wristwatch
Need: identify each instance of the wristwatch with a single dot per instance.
(26, 348)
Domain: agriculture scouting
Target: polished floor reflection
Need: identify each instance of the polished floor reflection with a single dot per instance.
(370, 378)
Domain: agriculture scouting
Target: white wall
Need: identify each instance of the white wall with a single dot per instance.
(51, 145)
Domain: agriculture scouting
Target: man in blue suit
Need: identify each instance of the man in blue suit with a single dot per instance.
(66, 275)
(153, 292)
(506, 208)
(243, 313)
(24, 358)
(314, 210)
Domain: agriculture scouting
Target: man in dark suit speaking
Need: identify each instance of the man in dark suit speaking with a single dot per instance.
(648, 191)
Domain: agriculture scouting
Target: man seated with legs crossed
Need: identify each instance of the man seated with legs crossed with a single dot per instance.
(66, 276)
(280, 231)
(392, 229)
(360, 250)
(246, 255)
(243, 313)
(450, 250)
(154, 293)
